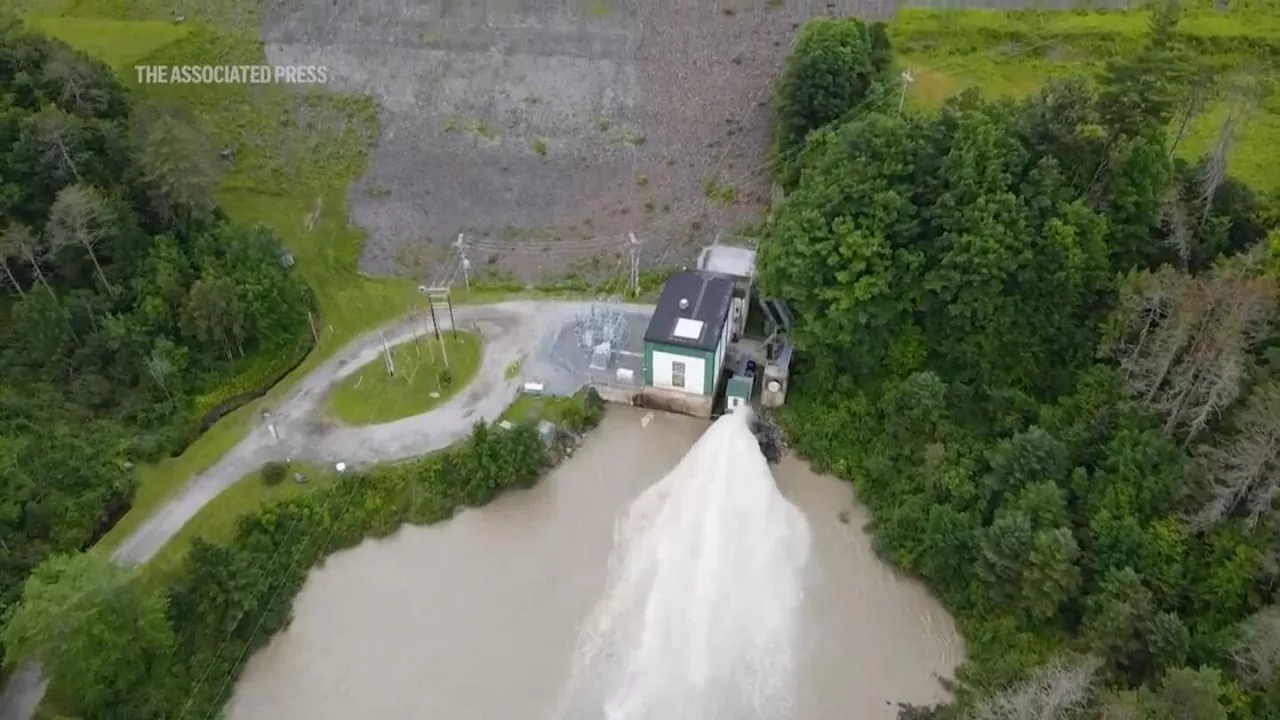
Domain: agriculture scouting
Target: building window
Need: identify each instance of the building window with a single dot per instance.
(677, 374)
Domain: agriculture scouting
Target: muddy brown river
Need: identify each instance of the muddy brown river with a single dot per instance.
(476, 618)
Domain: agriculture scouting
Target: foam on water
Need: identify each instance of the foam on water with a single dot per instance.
(700, 616)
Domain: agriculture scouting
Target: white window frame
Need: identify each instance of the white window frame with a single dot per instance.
(678, 370)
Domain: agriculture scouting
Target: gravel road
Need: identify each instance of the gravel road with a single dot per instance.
(512, 331)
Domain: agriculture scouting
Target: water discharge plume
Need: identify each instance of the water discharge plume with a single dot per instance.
(701, 614)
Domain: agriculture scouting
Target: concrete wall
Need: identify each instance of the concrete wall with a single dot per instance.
(656, 399)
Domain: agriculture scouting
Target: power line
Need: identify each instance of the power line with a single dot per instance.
(568, 246)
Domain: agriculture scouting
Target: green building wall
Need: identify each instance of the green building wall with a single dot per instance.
(739, 386)
(708, 358)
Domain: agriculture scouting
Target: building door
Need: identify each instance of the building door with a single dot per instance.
(677, 374)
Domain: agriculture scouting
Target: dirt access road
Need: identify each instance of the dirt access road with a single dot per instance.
(512, 331)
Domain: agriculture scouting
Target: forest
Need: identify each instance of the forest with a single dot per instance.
(1041, 345)
(131, 311)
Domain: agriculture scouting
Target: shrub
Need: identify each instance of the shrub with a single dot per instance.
(833, 66)
(574, 417)
(446, 377)
(273, 473)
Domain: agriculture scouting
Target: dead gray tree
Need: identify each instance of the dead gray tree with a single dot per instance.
(1177, 226)
(1182, 340)
(1244, 99)
(78, 88)
(80, 216)
(161, 369)
(9, 252)
(1245, 469)
(1199, 94)
(53, 132)
(1054, 692)
(1256, 652)
(1214, 172)
(24, 243)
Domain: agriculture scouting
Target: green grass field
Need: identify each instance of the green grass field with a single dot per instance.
(372, 395)
(118, 43)
(1011, 54)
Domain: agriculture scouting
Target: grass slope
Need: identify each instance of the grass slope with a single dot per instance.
(1012, 54)
(119, 44)
(370, 395)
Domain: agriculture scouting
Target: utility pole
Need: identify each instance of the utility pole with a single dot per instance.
(435, 324)
(466, 264)
(906, 82)
(443, 353)
(449, 301)
(311, 319)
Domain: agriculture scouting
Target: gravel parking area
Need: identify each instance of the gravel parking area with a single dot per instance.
(551, 122)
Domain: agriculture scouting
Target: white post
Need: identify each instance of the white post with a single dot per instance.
(439, 335)
(635, 265)
(386, 355)
(466, 264)
(906, 81)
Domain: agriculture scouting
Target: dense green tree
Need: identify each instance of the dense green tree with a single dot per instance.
(1044, 354)
(944, 232)
(1123, 625)
(130, 304)
(830, 72)
(1190, 694)
(1141, 92)
(96, 633)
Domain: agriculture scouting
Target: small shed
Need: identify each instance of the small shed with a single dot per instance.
(685, 344)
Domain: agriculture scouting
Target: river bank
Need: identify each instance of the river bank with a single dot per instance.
(427, 622)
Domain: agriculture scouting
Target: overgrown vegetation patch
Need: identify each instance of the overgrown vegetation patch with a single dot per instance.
(133, 305)
(282, 159)
(1038, 337)
(1012, 54)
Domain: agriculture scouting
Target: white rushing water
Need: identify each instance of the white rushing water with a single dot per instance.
(700, 618)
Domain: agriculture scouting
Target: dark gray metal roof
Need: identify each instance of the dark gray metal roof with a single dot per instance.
(707, 297)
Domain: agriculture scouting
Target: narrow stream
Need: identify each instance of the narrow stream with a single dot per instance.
(478, 618)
